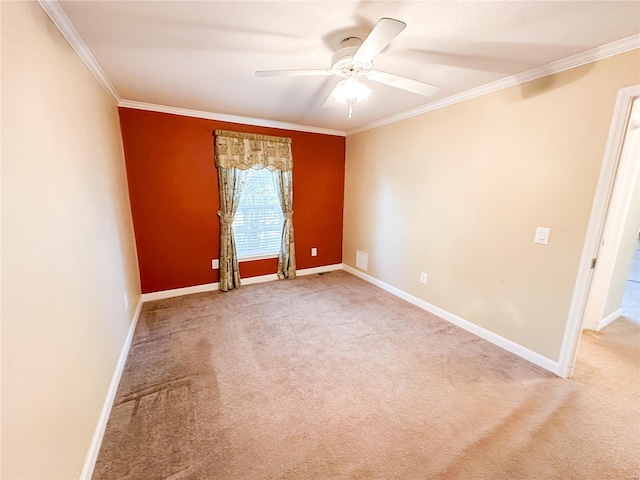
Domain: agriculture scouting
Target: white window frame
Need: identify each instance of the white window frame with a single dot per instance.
(264, 256)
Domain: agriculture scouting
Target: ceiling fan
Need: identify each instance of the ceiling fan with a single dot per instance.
(355, 59)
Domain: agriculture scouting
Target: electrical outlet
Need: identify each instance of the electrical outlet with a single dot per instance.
(423, 278)
(126, 301)
(215, 264)
(314, 252)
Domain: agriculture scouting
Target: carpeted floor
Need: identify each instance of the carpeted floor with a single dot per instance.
(328, 377)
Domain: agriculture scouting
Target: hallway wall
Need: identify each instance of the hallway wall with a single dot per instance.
(69, 272)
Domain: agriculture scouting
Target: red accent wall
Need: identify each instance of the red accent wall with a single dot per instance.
(173, 186)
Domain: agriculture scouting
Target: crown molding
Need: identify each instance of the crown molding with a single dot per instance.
(259, 122)
(598, 53)
(60, 19)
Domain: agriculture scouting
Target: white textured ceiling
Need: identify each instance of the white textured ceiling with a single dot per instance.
(201, 55)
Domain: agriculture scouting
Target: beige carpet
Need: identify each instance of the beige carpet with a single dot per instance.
(328, 377)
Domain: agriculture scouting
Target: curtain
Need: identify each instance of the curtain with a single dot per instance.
(246, 150)
(235, 153)
(230, 184)
(283, 184)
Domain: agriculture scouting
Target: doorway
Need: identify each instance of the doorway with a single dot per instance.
(619, 239)
(631, 296)
(618, 174)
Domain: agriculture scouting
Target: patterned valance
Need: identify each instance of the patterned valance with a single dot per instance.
(247, 150)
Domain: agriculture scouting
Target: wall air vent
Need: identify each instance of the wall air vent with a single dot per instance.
(362, 260)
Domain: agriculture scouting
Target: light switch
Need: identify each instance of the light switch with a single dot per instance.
(542, 235)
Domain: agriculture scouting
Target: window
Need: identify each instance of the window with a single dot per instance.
(257, 225)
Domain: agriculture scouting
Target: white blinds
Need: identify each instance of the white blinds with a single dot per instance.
(257, 225)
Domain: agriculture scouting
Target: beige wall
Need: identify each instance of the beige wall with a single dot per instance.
(68, 256)
(458, 193)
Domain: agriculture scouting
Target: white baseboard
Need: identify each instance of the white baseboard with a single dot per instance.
(271, 277)
(300, 273)
(322, 269)
(178, 292)
(96, 441)
(483, 333)
(608, 319)
(210, 287)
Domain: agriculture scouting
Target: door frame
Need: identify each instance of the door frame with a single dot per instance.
(595, 229)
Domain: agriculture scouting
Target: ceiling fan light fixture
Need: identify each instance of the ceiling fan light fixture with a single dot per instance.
(354, 60)
(351, 89)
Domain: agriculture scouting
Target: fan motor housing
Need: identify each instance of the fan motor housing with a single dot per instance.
(342, 60)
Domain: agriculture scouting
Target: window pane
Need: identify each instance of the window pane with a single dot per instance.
(257, 226)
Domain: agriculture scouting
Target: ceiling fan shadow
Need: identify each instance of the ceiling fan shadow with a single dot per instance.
(176, 21)
(535, 87)
(167, 32)
(509, 58)
(360, 28)
(468, 62)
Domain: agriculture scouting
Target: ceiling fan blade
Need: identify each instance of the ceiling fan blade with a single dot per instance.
(404, 83)
(330, 101)
(292, 73)
(384, 31)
